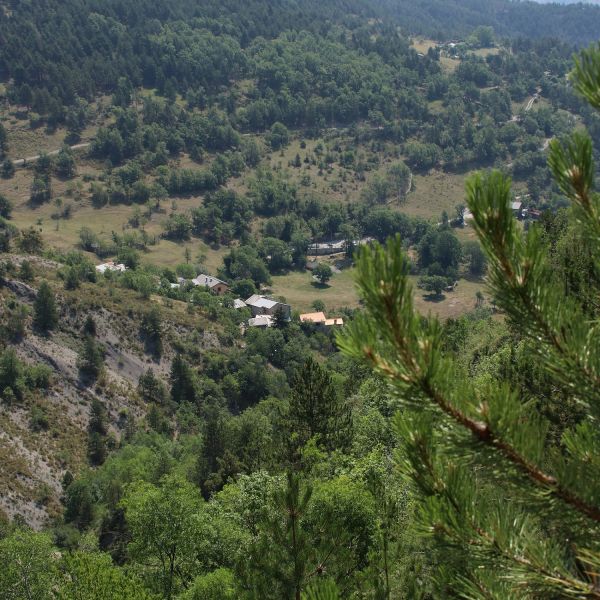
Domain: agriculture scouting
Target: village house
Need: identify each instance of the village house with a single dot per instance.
(316, 317)
(111, 266)
(238, 303)
(335, 322)
(261, 321)
(335, 247)
(319, 319)
(516, 207)
(212, 283)
(261, 305)
(321, 249)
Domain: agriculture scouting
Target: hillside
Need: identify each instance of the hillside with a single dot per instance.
(44, 432)
(298, 300)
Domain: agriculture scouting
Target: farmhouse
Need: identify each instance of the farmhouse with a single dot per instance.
(212, 283)
(516, 207)
(261, 321)
(316, 317)
(335, 322)
(320, 249)
(319, 318)
(261, 305)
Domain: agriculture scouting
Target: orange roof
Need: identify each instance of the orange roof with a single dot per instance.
(317, 317)
(334, 321)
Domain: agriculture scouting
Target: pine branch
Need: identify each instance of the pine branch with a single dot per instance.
(507, 536)
(523, 285)
(405, 351)
(586, 75)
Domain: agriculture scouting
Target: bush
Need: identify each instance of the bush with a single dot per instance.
(5, 207)
(38, 421)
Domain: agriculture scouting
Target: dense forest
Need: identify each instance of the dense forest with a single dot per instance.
(437, 438)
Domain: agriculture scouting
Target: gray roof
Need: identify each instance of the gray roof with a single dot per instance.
(207, 281)
(261, 302)
(261, 321)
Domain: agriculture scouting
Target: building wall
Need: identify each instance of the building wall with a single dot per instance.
(220, 289)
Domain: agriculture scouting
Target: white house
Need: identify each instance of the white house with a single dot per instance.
(320, 249)
(111, 266)
(261, 321)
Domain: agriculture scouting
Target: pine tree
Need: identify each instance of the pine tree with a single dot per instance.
(45, 315)
(97, 432)
(317, 410)
(520, 513)
(91, 359)
(283, 559)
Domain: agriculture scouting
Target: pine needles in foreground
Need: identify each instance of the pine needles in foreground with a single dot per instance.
(521, 515)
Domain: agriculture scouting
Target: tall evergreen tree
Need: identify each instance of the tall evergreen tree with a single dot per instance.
(45, 315)
(316, 408)
(521, 514)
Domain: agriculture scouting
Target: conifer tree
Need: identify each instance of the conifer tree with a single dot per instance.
(316, 408)
(45, 316)
(520, 513)
(284, 556)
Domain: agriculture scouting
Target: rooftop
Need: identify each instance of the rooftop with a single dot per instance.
(261, 302)
(207, 280)
(261, 321)
(316, 317)
(110, 266)
(334, 321)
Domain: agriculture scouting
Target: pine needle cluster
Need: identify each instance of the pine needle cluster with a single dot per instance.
(520, 513)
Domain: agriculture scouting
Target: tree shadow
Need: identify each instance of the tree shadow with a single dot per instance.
(474, 278)
(319, 285)
(434, 297)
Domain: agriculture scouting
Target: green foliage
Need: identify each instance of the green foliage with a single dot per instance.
(5, 207)
(316, 410)
(45, 315)
(278, 136)
(92, 576)
(29, 566)
(282, 560)
(26, 272)
(151, 331)
(217, 585)
(165, 531)
(91, 359)
(323, 273)
(41, 189)
(476, 258)
(65, 163)
(520, 511)
(31, 241)
(433, 283)
(322, 590)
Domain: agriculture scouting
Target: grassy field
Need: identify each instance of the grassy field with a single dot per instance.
(300, 290)
(435, 192)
